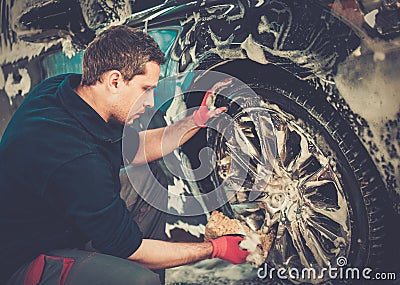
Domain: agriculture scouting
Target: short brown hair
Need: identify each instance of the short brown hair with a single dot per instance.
(119, 48)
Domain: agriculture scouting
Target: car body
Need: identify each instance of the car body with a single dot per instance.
(325, 74)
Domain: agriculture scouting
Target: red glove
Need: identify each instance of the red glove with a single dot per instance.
(227, 248)
(203, 114)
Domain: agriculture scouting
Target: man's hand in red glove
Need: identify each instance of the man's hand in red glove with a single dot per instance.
(203, 114)
(227, 248)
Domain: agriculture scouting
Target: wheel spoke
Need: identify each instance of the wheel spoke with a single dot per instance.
(314, 244)
(322, 174)
(244, 144)
(298, 242)
(313, 184)
(281, 138)
(327, 231)
(241, 160)
(303, 156)
(337, 214)
(236, 179)
(266, 137)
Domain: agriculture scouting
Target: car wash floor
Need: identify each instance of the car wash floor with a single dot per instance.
(213, 271)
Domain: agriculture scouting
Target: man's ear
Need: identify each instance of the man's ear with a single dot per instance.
(113, 79)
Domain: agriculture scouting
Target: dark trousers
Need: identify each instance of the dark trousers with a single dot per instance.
(88, 267)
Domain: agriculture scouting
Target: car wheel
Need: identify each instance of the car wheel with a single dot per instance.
(322, 193)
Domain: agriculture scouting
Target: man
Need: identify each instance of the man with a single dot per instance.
(59, 173)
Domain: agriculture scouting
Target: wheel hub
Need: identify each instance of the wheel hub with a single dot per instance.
(283, 196)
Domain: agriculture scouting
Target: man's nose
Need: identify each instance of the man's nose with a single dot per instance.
(149, 101)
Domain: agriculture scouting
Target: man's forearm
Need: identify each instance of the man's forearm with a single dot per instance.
(156, 254)
(157, 143)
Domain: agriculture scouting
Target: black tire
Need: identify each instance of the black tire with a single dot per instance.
(357, 175)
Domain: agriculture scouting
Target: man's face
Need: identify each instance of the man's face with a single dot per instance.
(134, 96)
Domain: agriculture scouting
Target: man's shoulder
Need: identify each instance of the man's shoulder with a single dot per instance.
(54, 81)
(46, 133)
(49, 85)
(42, 111)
